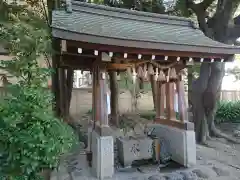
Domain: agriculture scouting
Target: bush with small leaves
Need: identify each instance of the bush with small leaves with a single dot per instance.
(228, 111)
(32, 139)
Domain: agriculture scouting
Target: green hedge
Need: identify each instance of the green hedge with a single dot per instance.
(228, 111)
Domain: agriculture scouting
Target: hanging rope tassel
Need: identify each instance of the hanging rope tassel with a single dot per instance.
(140, 72)
(134, 75)
(162, 76)
(173, 74)
(150, 69)
(156, 75)
(168, 75)
(145, 72)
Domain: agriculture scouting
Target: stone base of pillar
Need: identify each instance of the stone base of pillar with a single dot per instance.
(181, 142)
(102, 155)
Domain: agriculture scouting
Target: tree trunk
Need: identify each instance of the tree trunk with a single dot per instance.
(114, 98)
(198, 110)
(206, 91)
(206, 88)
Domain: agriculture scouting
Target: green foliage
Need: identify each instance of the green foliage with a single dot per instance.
(228, 111)
(181, 9)
(149, 115)
(32, 139)
(235, 71)
(156, 6)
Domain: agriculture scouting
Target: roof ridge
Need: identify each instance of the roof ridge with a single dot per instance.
(77, 4)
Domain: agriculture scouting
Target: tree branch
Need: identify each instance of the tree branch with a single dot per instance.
(206, 4)
(45, 13)
(200, 12)
(223, 19)
(234, 30)
(191, 5)
(234, 33)
(237, 20)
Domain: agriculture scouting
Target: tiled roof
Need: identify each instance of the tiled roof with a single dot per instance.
(121, 27)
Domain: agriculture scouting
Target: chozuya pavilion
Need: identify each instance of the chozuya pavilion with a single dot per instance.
(136, 42)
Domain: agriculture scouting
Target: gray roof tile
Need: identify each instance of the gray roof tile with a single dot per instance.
(115, 23)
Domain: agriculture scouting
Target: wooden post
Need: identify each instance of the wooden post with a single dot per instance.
(157, 101)
(160, 100)
(182, 108)
(95, 95)
(62, 90)
(99, 106)
(114, 98)
(55, 77)
(171, 115)
(103, 99)
(154, 90)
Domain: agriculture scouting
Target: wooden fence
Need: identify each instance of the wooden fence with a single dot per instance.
(227, 95)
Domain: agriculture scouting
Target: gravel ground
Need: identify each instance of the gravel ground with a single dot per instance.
(220, 160)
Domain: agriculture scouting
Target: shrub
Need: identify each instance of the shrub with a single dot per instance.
(31, 138)
(228, 111)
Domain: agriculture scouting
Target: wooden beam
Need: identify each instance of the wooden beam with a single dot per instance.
(175, 123)
(143, 51)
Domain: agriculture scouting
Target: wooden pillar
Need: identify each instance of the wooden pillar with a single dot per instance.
(162, 88)
(114, 98)
(157, 99)
(55, 77)
(95, 95)
(182, 107)
(62, 90)
(103, 99)
(99, 105)
(171, 115)
(160, 100)
(155, 90)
